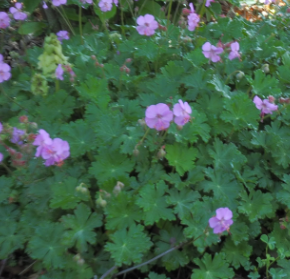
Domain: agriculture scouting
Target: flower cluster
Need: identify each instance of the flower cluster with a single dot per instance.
(17, 12)
(266, 106)
(222, 221)
(107, 5)
(4, 20)
(4, 70)
(192, 19)
(159, 116)
(62, 35)
(212, 52)
(59, 72)
(147, 25)
(54, 151)
(57, 3)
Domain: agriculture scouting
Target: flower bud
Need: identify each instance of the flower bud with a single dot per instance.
(101, 202)
(142, 122)
(80, 261)
(240, 75)
(33, 125)
(128, 60)
(284, 100)
(265, 68)
(23, 119)
(282, 226)
(119, 183)
(93, 57)
(127, 70)
(161, 153)
(136, 152)
(185, 11)
(77, 257)
(271, 99)
(117, 190)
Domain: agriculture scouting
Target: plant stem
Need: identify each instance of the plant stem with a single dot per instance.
(202, 9)
(64, 16)
(169, 11)
(80, 24)
(108, 272)
(122, 21)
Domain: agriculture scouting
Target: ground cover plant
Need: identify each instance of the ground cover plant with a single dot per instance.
(144, 138)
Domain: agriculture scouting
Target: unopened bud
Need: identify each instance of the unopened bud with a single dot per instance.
(283, 227)
(186, 11)
(284, 100)
(240, 75)
(80, 261)
(142, 122)
(271, 99)
(23, 119)
(101, 65)
(265, 68)
(136, 152)
(161, 153)
(76, 257)
(127, 70)
(117, 190)
(119, 183)
(33, 125)
(128, 60)
(93, 57)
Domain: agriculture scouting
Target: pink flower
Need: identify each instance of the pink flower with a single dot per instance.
(57, 3)
(62, 35)
(269, 1)
(207, 4)
(222, 221)
(4, 71)
(192, 19)
(147, 25)
(235, 47)
(116, 2)
(59, 72)
(44, 6)
(17, 136)
(17, 12)
(42, 140)
(56, 152)
(212, 52)
(1, 157)
(182, 113)
(1, 127)
(264, 106)
(4, 20)
(158, 117)
(106, 5)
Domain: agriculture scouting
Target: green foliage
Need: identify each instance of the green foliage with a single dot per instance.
(127, 193)
(128, 246)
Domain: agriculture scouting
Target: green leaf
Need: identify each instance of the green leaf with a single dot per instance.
(181, 157)
(30, 6)
(5, 188)
(111, 166)
(81, 226)
(215, 268)
(182, 201)
(223, 185)
(226, 156)
(237, 255)
(65, 195)
(220, 86)
(95, 90)
(264, 85)
(80, 137)
(153, 202)
(256, 205)
(168, 238)
(241, 112)
(122, 212)
(128, 246)
(46, 245)
(31, 28)
(11, 239)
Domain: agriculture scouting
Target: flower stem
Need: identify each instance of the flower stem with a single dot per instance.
(80, 24)
(169, 11)
(64, 16)
(201, 10)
